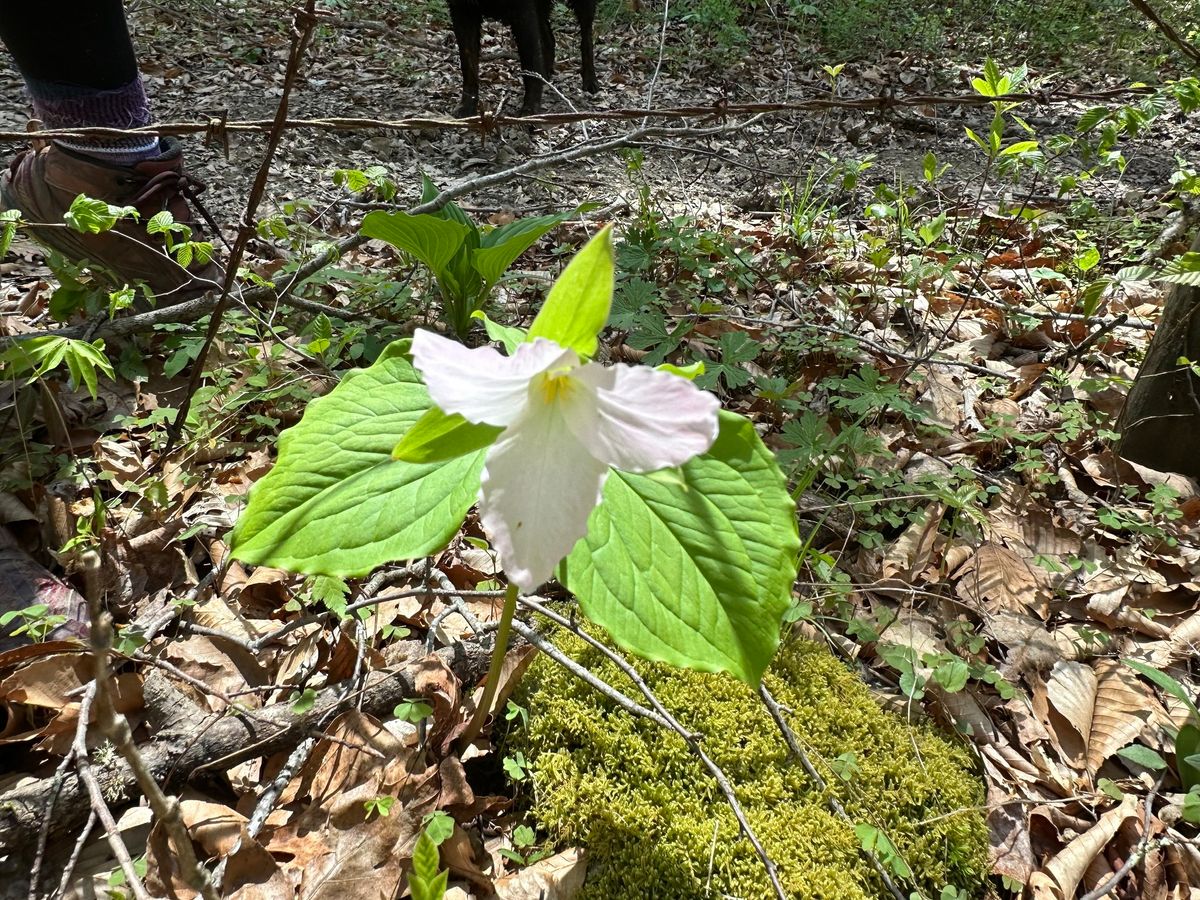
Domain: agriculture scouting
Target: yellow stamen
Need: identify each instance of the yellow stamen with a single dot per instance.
(556, 388)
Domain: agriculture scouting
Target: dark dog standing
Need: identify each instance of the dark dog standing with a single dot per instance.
(530, 24)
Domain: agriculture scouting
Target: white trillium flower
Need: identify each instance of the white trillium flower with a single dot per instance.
(565, 424)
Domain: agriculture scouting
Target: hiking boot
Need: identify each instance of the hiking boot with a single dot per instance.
(44, 183)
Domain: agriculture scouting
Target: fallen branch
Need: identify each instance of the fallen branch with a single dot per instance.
(263, 295)
(188, 740)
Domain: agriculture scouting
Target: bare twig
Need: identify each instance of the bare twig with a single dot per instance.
(100, 808)
(115, 727)
(302, 30)
(80, 842)
(1144, 846)
(592, 680)
(268, 799)
(60, 773)
(1187, 49)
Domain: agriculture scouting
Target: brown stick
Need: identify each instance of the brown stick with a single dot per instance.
(115, 727)
(1188, 50)
(302, 30)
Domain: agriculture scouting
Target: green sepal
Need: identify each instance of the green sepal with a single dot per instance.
(577, 306)
(507, 336)
(438, 436)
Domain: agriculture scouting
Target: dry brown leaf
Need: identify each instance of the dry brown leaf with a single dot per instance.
(250, 871)
(1094, 711)
(1009, 847)
(1124, 705)
(1059, 878)
(347, 856)
(1112, 608)
(1185, 637)
(910, 554)
(558, 877)
(1071, 694)
(459, 856)
(359, 752)
(996, 578)
(942, 399)
(223, 666)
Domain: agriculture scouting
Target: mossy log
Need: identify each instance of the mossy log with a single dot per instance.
(655, 824)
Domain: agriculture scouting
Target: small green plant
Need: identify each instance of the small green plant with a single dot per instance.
(516, 766)
(379, 806)
(466, 261)
(36, 621)
(413, 711)
(1186, 740)
(438, 825)
(373, 181)
(524, 854)
(116, 878)
(178, 238)
(35, 357)
(1007, 159)
(425, 881)
(303, 701)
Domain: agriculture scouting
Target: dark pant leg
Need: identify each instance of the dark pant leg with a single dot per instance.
(78, 42)
(80, 70)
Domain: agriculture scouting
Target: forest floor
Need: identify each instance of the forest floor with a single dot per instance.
(936, 340)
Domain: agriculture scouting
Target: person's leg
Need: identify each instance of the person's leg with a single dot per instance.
(80, 69)
(86, 75)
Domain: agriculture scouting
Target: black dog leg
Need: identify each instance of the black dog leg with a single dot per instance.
(585, 13)
(468, 25)
(527, 31)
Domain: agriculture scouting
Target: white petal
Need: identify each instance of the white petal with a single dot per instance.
(638, 419)
(481, 384)
(539, 486)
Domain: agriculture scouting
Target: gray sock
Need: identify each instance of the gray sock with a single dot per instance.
(76, 106)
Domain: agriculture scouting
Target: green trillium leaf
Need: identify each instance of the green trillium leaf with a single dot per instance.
(577, 306)
(336, 502)
(698, 576)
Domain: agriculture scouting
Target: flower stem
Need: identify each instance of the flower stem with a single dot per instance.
(493, 675)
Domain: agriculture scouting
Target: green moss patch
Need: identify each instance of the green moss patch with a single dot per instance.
(656, 825)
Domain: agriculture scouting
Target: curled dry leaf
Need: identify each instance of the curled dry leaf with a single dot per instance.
(558, 877)
(1059, 878)
(910, 554)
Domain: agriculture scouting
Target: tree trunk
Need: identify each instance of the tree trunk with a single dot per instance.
(1161, 420)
